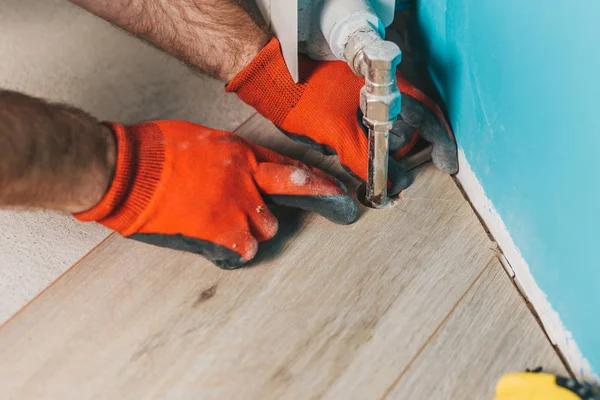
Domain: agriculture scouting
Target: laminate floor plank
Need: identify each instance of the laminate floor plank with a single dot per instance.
(324, 311)
(491, 333)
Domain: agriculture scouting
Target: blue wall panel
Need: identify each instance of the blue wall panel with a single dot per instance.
(521, 81)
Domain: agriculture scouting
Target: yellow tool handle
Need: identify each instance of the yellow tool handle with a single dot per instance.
(541, 386)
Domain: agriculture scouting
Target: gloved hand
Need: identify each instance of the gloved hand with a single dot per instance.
(323, 111)
(192, 188)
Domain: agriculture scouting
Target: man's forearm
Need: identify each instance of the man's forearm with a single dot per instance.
(215, 36)
(52, 155)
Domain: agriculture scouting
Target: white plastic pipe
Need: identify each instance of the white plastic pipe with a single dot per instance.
(295, 21)
(340, 19)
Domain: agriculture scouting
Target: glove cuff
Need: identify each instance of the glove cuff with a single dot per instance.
(139, 166)
(267, 85)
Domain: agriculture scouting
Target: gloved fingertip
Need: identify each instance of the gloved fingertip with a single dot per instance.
(342, 210)
(444, 156)
(230, 264)
(222, 256)
(241, 249)
(338, 208)
(399, 178)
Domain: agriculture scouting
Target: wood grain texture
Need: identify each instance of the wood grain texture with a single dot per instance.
(491, 333)
(324, 311)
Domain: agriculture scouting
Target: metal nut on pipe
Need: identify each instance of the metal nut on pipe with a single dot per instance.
(380, 97)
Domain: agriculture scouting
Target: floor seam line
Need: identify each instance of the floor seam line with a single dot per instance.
(245, 121)
(533, 312)
(390, 389)
(58, 278)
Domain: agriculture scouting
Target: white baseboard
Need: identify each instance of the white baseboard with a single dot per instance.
(551, 321)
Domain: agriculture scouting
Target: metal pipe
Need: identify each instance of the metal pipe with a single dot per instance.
(376, 189)
(380, 103)
(355, 33)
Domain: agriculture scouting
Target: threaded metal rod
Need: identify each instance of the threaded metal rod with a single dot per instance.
(376, 189)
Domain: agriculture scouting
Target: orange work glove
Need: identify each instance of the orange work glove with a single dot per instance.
(323, 112)
(188, 187)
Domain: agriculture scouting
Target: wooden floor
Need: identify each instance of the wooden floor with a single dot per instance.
(408, 303)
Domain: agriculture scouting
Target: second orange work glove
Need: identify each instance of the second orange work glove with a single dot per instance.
(323, 112)
(188, 187)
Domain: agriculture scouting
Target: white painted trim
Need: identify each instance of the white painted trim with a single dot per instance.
(551, 321)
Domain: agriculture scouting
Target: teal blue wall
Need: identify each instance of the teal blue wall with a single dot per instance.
(521, 81)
